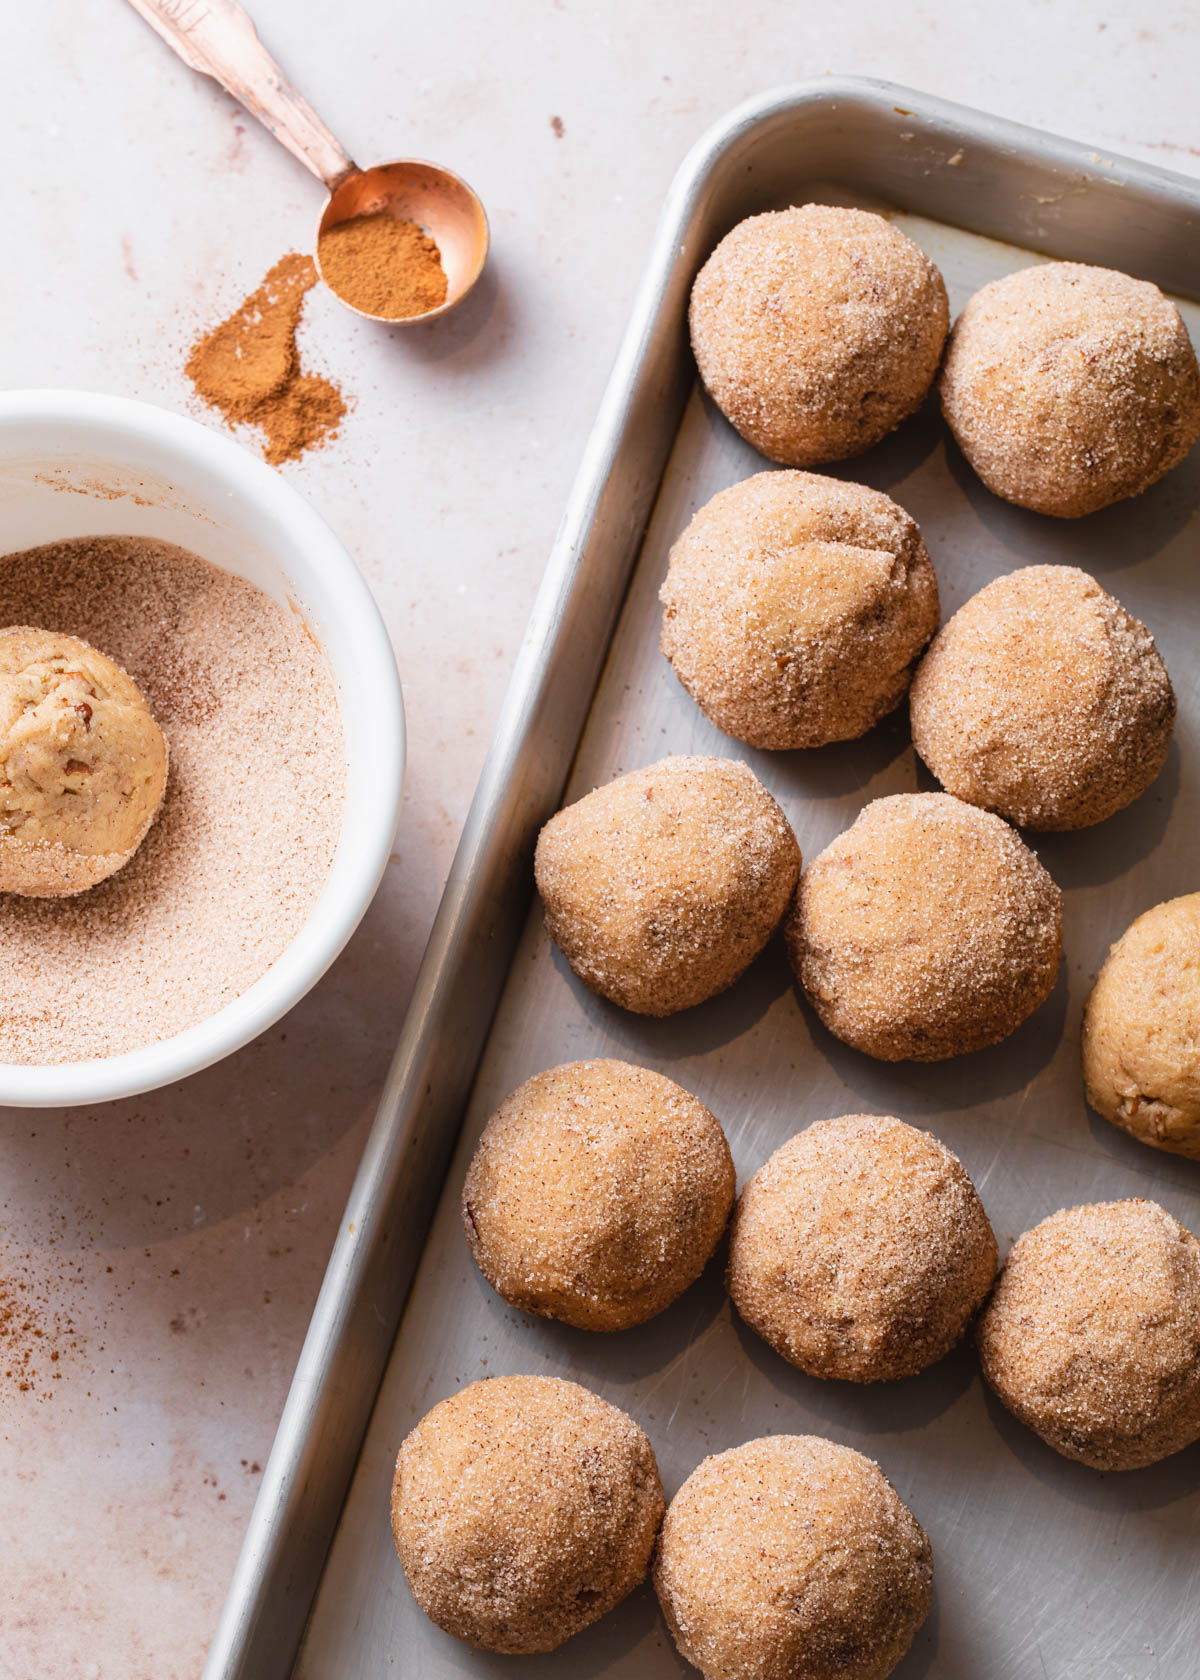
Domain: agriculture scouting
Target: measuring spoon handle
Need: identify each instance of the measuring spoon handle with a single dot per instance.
(218, 38)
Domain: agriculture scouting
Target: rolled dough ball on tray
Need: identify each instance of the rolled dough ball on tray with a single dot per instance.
(817, 330)
(596, 1194)
(662, 887)
(1069, 387)
(523, 1509)
(927, 929)
(1141, 1030)
(795, 607)
(1092, 1334)
(1044, 700)
(860, 1249)
(792, 1558)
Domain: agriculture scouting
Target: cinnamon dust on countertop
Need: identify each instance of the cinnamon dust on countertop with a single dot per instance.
(248, 367)
(383, 265)
(33, 1333)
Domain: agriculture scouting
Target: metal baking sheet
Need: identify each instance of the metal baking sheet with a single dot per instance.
(1043, 1568)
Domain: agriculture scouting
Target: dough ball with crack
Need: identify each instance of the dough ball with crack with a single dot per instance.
(795, 607)
(83, 764)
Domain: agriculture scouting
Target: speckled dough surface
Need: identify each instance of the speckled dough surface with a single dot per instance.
(817, 330)
(1092, 1336)
(597, 1193)
(795, 606)
(928, 928)
(1044, 700)
(1069, 387)
(860, 1249)
(1141, 1030)
(661, 887)
(523, 1509)
(792, 1558)
(83, 764)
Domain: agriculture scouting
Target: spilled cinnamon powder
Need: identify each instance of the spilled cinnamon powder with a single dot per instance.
(248, 367)
(383, 265)
(34, 1333)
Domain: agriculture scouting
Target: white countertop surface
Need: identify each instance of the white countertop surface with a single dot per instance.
(184, 1234)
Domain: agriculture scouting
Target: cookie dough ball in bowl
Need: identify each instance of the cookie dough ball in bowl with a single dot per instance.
(860, 1250)
(597, 1194)
(926, 930)
(660, 888)
(523, 1509)
(795, 607)
(792, 1558)
(1044, 700)
(1141, 1030)
(84, 764)
(1092, 1334)
(1069, 387)
(817, 330)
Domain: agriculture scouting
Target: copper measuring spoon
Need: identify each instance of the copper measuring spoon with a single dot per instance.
(218, 38)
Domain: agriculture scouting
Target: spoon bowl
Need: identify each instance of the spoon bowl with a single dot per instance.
(219, 40)
(440, 203)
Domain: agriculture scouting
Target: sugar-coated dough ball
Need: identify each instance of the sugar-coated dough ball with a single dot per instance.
(1092, 1335)
(1141, 1030)
(795, 607)
(83, 765)
(928, 928)
(597, 1194)
(1044, 700)
(792, 1558)
(1069, 387)
(817, 330)
(523, 1509)
(660, 888)
(860, 1250)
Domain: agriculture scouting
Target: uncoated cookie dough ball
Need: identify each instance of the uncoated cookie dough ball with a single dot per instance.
(860, 1250)
(925, 930)
(1044, 700)
(83, 765)
(792, 1558)
(1141, 1030)
(817, 330)
(795, 607)
(1069, 387)
(1092, 1335)
(523, 1509)
(660, 888)
(597, 1194)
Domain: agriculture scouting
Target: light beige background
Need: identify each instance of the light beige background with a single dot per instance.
(183, 1235)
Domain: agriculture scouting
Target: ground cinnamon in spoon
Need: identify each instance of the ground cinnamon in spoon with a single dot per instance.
(382, 265)
(249, 366)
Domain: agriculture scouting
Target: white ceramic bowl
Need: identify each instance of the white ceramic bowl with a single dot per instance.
(74, 464)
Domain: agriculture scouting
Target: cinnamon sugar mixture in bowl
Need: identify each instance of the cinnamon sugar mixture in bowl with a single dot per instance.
(242, 847)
